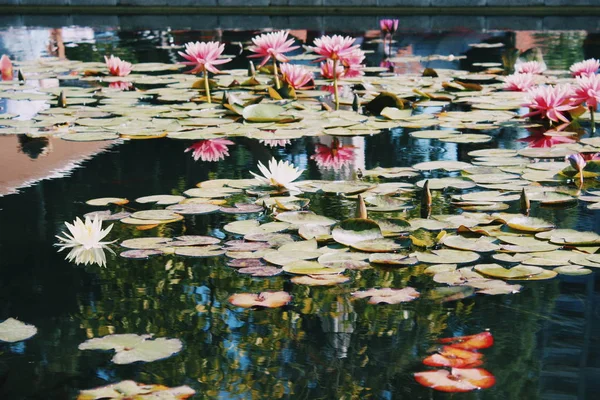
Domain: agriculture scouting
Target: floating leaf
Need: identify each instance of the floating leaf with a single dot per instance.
(355, 230)
(131, 348)
(320, 280)
(264, 299)
(447, 257)
(376, 245)
(388, 295)
(104, 201)
(519, 271)
(311, 268)
(140, 391)
(161, 199)
(457, 380)
(304, 217)
(263, 113)
(574, 270)
(12, 330)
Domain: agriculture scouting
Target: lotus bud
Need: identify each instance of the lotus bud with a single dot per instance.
(356, 103)
(525, 203)
(251, 69)
(62, 100)
(426, 201)
(361, 208)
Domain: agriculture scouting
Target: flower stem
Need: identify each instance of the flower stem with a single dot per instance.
(390, 46)
(207, 86)
(276, 74)
(335, 86)
(593, 122)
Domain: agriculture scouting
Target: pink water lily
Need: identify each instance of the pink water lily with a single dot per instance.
(210, 149)
(6, 68)
(335, 156)
(550, 102)
(541, 140)
(519, 82)
(578, 163)
(353, 64)
(334, 47)
(272, 45)
(204, 56)
(327, 70)
(586, 67)
(587, 90)
(120, 85)
(530, 67)
(117, 67)
(296, 76)
(388, 25)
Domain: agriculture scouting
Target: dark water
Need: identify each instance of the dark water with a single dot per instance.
(322, 346)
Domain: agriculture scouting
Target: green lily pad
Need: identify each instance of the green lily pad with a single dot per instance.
(381, 245)
(480, 245)
(498, 271)
(310, 268)
(130, 389)
(160, 199)
(263, 113)
(447, 257)
(356, 230)
(574, 270)
(304, 217)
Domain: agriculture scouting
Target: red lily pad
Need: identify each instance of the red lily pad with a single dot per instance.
(246, 263)
(264, 299)
(140, 254)
(457, 380)
(481, 340)
(456, 358)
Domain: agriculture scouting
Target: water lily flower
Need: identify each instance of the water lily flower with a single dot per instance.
(337, 49)
(6, 68)
(204, 56)
(587, 67)
(275, 142)
(327, 70)
(120, 85)
(530, 67)
(542, 140)
(334, 47)
(210, 149)
(587, 90)
(279, 174)
(578, 163)
(550, 102)
(296, 76)
(388, 25)
(353, 64)
(117, 67)
(85, 241)
(519, 82)
(272, 45)
(335, 156)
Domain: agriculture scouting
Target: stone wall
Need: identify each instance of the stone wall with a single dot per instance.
(305, 3)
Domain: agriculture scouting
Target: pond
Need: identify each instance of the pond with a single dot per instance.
(153, 133)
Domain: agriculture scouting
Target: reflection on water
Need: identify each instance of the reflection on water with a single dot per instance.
(324, 345)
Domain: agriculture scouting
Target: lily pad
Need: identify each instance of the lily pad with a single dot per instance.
(131, 348)
(388, 295)
(140, 391)
(447, 257)
(498, 271)
(263, 300)
(310, 268)
(355, 230)
(12, 330)
(320, 280)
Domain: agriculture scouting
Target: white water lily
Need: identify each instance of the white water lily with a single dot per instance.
(85, 241)
(279, 174)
